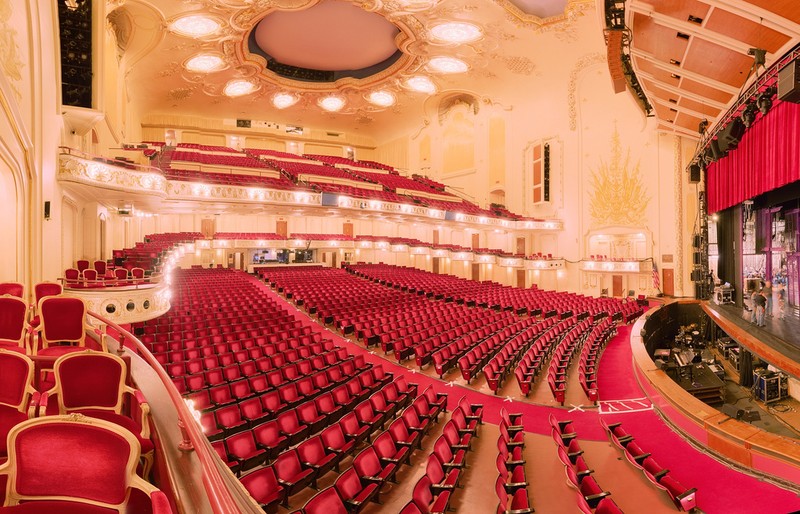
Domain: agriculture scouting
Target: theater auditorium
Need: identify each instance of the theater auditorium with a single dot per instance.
(399, 256)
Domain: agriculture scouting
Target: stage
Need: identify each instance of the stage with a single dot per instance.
(778, 343)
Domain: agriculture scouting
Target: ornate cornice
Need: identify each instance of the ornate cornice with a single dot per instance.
(125, 304)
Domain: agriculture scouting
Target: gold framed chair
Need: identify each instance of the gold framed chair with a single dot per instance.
(16, 392)
(76, 464)
(101, 394)
(14, 329)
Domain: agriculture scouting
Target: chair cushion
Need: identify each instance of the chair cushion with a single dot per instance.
(123, 421)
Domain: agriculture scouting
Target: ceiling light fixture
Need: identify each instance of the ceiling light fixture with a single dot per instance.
(456, 32)
(205, 63)
(447, 65)
(332, 103)
(284, 100)
(421, 84)
(382, 98)
(239, 88)
(195, 26)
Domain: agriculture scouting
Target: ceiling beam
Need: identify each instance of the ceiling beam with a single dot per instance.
(671, 68)
(685, 110)
(681, 92)
(758, 15)
(680, 130)
(689, 28)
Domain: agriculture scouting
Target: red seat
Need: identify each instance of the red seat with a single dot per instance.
(336, 442)
(399, 432)
(313, 455)
(263, 486)
(243, 449)
(388, 451)
(63, 320)
(101, 394)
(16, 391)
(88, 467)
(268, 437)
(12, 288)
(326, 501)
(424, 498)
(354, 494)
(13, 326)
(291, 474)
(291, 427)
(369, 467)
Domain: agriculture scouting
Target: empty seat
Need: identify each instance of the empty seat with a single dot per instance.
(263, 486)
(353, 492)
(291, 474)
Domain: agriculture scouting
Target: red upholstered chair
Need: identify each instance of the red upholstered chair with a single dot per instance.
(43, 290)
(100, 268)
(263, 486)
(354, 494)
(16, 390)
(369, 467)
(291, 474)
(326, 501)
(72, 278)
(424, 498)
(63, 320)
(121, 276)
(75, 464)
(13, 326)
(82, 265)
(441, 481)
(90, 278)
(313, 455)
(137, 274)
(12, 288)
(101, 394)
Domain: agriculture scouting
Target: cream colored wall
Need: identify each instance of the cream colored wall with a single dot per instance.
(29, 133)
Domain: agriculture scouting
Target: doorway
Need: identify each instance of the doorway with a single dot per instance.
(616, 285)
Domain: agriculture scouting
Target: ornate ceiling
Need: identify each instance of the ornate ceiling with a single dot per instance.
(280, 60)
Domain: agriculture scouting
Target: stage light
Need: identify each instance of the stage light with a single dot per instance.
(703, 126)
(749, 114)
(764, 100)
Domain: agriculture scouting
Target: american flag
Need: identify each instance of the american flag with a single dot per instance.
(656, 277)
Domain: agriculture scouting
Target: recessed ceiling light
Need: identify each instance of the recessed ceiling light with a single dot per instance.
(448, 65)
(456, 32)
(205, 63)
(332, 103)
(239, 87)
(195, 25)
(421, 84)
(382, 98)
(283, 100)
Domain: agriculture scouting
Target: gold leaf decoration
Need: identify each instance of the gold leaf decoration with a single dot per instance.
(619, 196)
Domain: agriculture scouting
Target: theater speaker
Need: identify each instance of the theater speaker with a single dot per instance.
(717, 152)
(47, 210)
(694, 173)
(697, 258)
(697, 241)
(789, 82)
(730, 134)
(697, 275)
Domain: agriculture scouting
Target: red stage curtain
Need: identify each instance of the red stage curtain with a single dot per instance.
(767, 158)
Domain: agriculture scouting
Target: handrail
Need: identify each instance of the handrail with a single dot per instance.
(100, 284)
(219, 496)
(109, 161)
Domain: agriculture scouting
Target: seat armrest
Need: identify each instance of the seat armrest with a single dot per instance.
(686, 493)
(404, 443)
(640, 458)
(389, 460)
(625, 439)
(658, 476)
(34, 403)
(143, 410)
(453, 464)
(41, 409)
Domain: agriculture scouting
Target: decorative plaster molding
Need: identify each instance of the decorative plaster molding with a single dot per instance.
(82, 171)
(580, 65)
(10, 59)
(124, 304)
(572, 10)
(677, 170)
(619, 195)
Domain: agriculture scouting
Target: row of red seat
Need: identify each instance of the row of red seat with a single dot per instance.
(562, 356)
(540, 336)
(536, 353)
(683, 497)
(511, 485)
(592, 499)
(600, 335)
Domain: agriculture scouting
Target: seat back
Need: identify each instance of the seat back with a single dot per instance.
(16, 380)
(120, 273)
(137, 272)
(62, 320)
(102, 389)
(12, 288)
(44, 289)
(326, 501)
(422, 494)
(94, 462)
(100, 267)
(13, 312)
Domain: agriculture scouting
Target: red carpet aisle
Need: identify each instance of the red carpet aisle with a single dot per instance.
(721, 490)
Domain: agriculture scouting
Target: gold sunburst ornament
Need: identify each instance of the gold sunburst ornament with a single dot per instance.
(619, 197)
